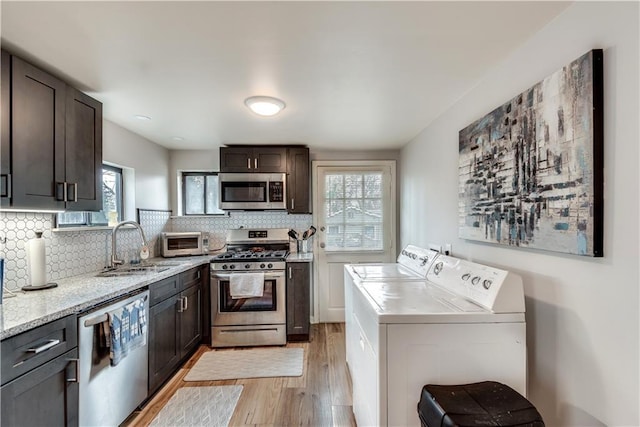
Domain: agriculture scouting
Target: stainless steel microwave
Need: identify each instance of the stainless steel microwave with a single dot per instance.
(252, 191)
(184, 244)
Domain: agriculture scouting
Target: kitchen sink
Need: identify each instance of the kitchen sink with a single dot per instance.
(133, 270)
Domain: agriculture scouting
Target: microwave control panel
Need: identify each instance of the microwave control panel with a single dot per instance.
(276, 191)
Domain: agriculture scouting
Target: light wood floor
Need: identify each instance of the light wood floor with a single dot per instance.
(320, 397)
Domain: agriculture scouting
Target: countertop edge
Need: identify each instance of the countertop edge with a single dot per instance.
(77, 308)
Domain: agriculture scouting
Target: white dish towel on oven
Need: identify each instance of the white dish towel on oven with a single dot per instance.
(246, 285)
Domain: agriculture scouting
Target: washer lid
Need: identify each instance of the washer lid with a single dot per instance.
(371, 272)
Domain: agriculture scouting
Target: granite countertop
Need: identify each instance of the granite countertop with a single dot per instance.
(300, 257)
(75, 294)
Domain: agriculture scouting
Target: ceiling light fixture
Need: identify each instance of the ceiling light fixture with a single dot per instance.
(264, 105)
(178, 138)
(141, 117)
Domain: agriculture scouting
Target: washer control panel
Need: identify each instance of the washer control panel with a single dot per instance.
(417, 259)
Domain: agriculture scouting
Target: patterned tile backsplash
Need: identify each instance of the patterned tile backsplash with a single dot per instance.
(71, 253)
(217, 226)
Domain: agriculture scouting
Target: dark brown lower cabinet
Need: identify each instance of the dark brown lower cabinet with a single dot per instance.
(164, 344)
(298, 300)
(45, 396)
(190, 319)
(175, 323)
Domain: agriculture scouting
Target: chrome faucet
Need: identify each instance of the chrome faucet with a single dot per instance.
(114, 260)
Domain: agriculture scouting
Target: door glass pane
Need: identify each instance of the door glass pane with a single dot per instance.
(194, 195)
(354, 211)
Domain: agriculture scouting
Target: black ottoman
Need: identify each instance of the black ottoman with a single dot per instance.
(488, 403)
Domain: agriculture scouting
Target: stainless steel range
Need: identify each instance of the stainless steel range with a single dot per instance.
(248, 288)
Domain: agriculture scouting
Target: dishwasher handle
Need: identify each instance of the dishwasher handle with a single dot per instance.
(103, 317)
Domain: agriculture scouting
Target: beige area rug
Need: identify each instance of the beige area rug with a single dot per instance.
(199, 406)
(254, 363)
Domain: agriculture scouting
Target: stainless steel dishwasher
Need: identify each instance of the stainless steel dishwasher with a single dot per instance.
(109, 394)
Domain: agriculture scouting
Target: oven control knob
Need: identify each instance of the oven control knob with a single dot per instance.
(247, 266)
(487, 284)
(262, 265)
(224, 267)
(269, 265)
(232, 266)
(475, 280)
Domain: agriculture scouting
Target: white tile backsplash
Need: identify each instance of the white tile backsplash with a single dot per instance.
(71, 253)
(217, 226)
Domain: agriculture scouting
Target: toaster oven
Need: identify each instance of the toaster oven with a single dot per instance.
(184, 243)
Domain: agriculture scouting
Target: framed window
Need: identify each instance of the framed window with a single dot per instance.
(112, 196)
(200, 193)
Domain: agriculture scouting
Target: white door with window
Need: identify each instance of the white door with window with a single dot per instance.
(355, 214)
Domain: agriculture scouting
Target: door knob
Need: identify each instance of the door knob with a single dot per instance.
(322, 245)
(321, 228)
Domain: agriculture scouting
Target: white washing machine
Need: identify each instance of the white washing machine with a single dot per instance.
(413, 264)
(464, 323)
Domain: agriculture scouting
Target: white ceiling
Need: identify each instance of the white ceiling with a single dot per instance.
(354, 75)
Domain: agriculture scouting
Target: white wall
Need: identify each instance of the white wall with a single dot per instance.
(150, 161)
(189, 160)
(582, 313)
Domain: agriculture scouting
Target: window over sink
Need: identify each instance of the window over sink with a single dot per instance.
(112, 204)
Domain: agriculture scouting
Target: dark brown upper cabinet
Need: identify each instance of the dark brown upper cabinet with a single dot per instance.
(253, 159)
(51, 141)
(83, 151)
(298, 182)
(5, 129)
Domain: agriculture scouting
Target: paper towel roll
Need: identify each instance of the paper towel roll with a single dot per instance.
(36, 260)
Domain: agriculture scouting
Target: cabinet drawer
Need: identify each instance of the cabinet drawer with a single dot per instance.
(33, 348)
(163, 289)
(46, 396)
(192, 277)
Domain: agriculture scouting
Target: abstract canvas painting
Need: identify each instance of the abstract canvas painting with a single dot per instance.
(531, 171)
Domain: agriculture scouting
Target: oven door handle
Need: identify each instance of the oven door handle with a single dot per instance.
(266, 275)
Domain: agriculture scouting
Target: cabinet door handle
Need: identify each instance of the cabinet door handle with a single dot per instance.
(289, 272)
(248, 163)
(61, 191)
(181, 306)
(76, 379)
(186, 303)
(255, 162)
(293, 203)
(46, 346)
(71, 189)
(6, 186)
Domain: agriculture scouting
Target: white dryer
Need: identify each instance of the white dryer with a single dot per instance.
(464, 323)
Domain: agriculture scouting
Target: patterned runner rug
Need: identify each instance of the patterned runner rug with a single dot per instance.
(254, 363)
(199, 406)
